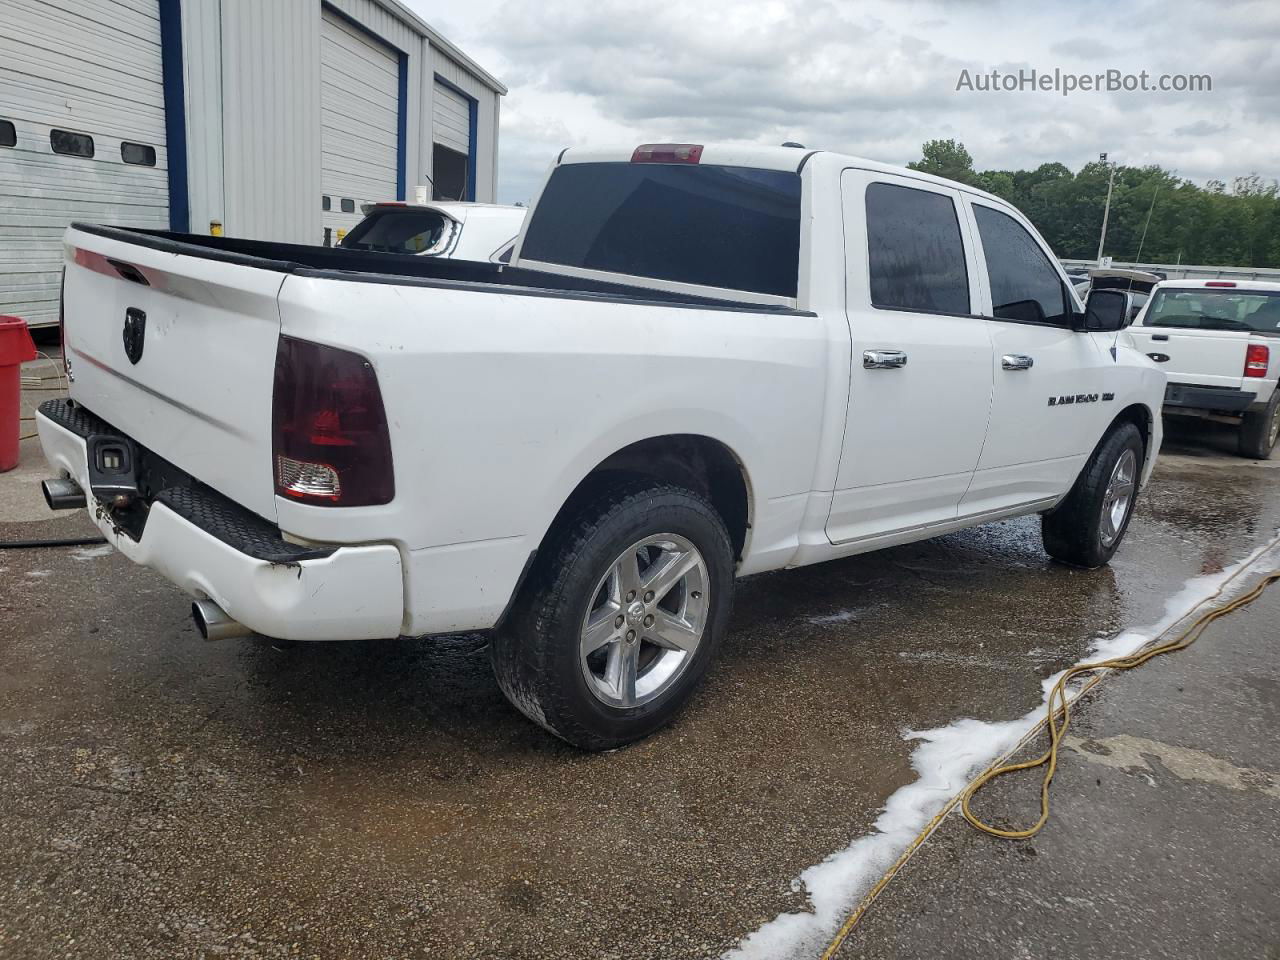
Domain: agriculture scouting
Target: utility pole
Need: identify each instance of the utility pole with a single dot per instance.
(1106, 212)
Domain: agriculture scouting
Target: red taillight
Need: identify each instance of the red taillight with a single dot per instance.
(330, 443)
(667, 153)
(1220, 283)
(1256, 358)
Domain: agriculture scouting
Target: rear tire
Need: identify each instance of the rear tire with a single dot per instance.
(638, 674)
(1259, 430)
(1086, 529)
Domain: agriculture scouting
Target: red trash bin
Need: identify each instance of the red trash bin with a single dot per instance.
(16, 349)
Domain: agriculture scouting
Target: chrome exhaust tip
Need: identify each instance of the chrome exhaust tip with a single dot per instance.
(62, 493)
(214, 623)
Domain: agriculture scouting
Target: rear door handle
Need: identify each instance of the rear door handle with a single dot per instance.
(883, 359)
(1017, 361)
(1159, 336)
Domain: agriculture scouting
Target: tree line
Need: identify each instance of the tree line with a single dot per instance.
(1236, 224)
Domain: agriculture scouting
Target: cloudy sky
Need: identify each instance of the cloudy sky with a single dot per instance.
(876, 78)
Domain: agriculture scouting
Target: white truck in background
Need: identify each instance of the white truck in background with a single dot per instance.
(702, 362)
(1219, 341)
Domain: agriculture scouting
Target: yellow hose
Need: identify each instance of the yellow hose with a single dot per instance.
(1058, 716)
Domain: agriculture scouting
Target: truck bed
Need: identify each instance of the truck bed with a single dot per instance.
(339, 263)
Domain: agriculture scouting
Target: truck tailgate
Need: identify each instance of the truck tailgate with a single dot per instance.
(1212, 358)
(197, 388)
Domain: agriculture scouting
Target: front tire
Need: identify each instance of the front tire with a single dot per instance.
(1086, 529)
(1260, 430)
(621, 616)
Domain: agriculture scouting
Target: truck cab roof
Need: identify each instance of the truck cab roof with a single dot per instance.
(793, 159)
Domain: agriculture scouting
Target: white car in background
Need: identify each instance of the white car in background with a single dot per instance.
(450, 229)
(1219, 340)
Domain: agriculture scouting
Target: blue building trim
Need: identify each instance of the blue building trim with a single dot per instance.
(472, 124)
(402, 130)
(175, 113)
(402, 97)
(471, 151)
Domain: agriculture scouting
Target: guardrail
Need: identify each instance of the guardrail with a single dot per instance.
(1185, 271)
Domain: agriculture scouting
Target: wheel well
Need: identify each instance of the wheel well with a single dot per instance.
(1140, 417)
(696, 462)
(1137, 415)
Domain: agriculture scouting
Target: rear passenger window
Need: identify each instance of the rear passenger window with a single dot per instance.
(138, 153)
(1024, 284)
(348, 206)
(915, 252)
(326, 203)
(71, 144)
(8, 135)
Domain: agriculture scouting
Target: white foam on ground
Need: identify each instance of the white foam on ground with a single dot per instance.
(91, 553)
(840, 616)
(946, 759)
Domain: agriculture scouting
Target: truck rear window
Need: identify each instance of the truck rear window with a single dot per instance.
(736, 228)
(1207, 309)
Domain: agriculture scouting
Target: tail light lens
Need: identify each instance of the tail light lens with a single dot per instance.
(330, 442)
(1256, 358)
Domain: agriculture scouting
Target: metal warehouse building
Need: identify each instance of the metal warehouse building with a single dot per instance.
(275, 119)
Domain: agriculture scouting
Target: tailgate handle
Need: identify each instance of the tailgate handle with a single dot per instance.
(1159, 336)
(129, 272)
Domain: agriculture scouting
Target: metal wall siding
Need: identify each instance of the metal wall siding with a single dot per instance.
(271, 119)
(202, 75)
(89, 66)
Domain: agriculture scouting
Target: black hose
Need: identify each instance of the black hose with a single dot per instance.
(33, 544)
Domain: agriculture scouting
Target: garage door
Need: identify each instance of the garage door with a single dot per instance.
(360, 118)
(81, 135)
(451, 119)
(451, 145)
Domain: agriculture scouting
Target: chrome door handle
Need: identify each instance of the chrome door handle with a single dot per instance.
(883, 359)
(1017, 361)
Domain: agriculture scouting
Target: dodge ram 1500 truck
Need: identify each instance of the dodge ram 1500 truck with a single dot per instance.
(1218, 339)
(702, 362)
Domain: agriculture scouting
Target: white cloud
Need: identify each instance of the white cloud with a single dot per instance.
(876, 78)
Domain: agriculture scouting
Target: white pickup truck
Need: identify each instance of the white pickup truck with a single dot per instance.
(1219, 340)
(701, 363)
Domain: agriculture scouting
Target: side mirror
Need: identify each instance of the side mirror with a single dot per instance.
(1106, 310)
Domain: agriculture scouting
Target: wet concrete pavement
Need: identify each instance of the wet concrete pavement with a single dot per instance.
(165, 797)
(1165, 832)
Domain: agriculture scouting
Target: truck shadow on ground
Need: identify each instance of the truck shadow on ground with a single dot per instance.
(912, 635)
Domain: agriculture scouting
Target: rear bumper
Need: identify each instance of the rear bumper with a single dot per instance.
(1187, 396)
(215, 550)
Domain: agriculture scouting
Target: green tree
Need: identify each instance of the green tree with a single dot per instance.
(947, 158)
(1155, 214)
